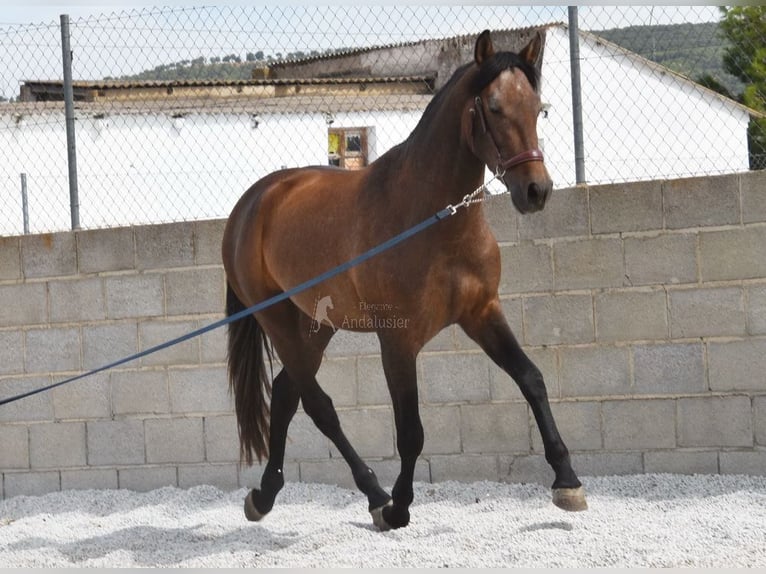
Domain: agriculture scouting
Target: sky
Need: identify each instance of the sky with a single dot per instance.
(39, 11)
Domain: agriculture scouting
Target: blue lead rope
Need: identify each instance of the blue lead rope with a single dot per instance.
(443, 214)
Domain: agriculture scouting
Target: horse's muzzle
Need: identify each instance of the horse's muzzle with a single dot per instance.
(537, 195)
(530, 197)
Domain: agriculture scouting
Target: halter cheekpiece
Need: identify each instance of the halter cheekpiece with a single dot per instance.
(503, 165)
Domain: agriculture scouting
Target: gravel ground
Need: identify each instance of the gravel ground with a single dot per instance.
(642, 520)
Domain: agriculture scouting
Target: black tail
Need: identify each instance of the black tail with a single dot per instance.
(249, 381)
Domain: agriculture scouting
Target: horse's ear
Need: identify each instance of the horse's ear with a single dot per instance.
(531, 52)
(484, 48)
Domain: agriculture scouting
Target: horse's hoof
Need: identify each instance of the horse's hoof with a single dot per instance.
(251, 512)
(377, 517)
(570, 499)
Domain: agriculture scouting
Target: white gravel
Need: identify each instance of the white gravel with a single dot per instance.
(643, 520)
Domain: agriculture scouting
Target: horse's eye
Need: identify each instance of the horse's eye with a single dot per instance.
(493, 105)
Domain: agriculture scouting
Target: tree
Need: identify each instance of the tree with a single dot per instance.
(713, 83)
(745, 29)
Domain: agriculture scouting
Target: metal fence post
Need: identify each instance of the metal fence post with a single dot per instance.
(66, 52)
(25, 203)
(574, 61)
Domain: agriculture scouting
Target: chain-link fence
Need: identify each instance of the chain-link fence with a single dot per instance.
(178, 111)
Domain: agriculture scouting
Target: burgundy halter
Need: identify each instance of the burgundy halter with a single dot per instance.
(503, 165)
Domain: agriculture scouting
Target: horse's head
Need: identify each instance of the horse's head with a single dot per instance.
(500, 120)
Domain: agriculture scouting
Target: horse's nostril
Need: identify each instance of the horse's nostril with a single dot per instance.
(535, 194)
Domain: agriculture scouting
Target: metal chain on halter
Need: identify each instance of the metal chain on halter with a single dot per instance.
(473, 197)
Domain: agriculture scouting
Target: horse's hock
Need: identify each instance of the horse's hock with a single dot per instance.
(643, 304)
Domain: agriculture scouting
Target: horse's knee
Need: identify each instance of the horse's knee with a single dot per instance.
(532, 385)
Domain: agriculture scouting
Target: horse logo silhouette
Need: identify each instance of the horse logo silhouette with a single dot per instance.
(320, 314)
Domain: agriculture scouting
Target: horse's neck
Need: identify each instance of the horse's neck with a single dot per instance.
(439, 163)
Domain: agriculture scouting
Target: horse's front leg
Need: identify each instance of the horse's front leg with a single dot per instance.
(490, 330)
(399, 367)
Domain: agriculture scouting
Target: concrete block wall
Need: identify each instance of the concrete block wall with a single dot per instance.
(644, 305)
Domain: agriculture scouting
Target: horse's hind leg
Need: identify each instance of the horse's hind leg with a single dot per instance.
(318, 405)
(491, 331)
(281, 322)
(284, 403)
(300, 350)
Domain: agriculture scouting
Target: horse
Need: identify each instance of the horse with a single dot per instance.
(296, 223)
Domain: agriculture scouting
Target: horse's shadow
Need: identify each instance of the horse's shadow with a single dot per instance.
(164, 547)
(552, 525)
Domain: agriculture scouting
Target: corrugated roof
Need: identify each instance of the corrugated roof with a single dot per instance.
(212, 83)
(231, 105)
(464, 38)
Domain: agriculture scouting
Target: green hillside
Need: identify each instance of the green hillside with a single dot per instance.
(694, 50)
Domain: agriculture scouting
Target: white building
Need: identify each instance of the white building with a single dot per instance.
(163, 151)
(641, 120)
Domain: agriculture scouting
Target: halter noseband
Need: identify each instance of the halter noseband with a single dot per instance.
(503, 165)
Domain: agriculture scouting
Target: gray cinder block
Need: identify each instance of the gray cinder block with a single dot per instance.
(738, 365)
(495, 428)
(558, 319)
(174, 440)
(49, 255)
(115, 442)
(132, 296)
(102, 250)
(14, 447)
(588, 264)
(666, 259)
(76, 301)
(594, 371)
(707, 312)
(715, 422)
(622, 208)
(161, 246)
(639, 424)
(145, 478)
(669, 368)
(733, 254)
(701, 201)
(89, 478)
(525, 267)
(447, 378)
(631, 315)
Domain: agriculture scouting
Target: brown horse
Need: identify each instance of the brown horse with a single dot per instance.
(297, 223)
